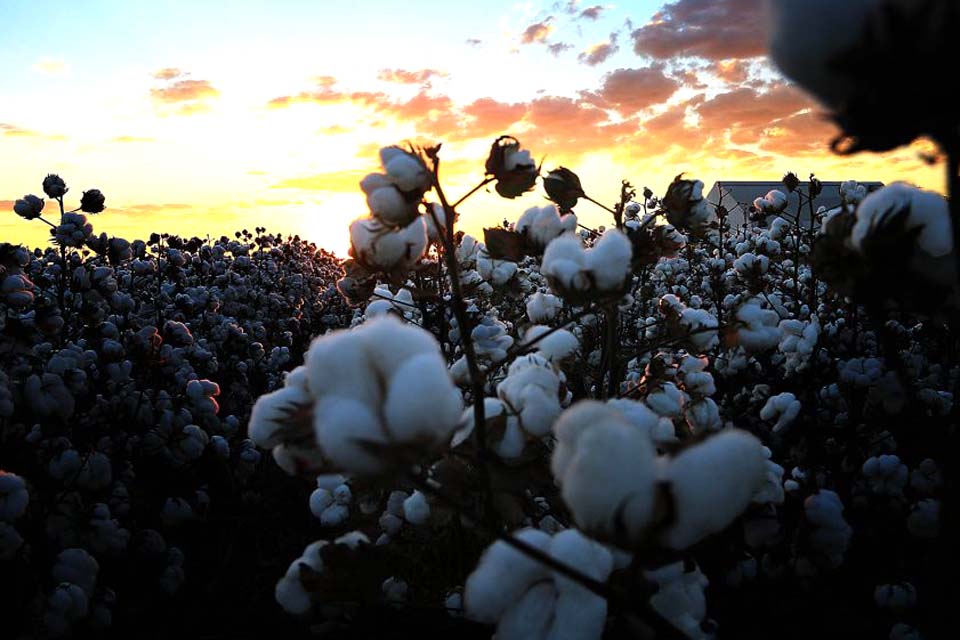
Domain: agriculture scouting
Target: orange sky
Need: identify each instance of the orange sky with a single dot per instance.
(273, 121)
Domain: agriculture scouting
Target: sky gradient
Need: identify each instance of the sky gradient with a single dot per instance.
(201, 117)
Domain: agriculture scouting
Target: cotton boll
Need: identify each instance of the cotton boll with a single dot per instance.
(320, 500)
(543, 307)
(338, 365)
(638, 415)
(783, 408)
(609, 260)
(290, 593)
(530, 389)
(531, 615)
(667, 400)
(10, 541)
(421, 401)
(606, 470)
(501, 577)
(394, 590)
(13, 496)
(898, 597)
(712, 483)
(831, 533)
(390, 524)
(924, 519)
(66, 605)
(416, 510)
(557, 346)
(680, 598)
(886, 474)
(342, 427)
(78, 567)
(334, 515)
(270, 415)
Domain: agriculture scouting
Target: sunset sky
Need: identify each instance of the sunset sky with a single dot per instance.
(198, 117)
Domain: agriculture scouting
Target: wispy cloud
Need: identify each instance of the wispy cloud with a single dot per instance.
(402, 76)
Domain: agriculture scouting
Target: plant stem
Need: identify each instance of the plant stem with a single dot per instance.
(460, 312)
(485, 182)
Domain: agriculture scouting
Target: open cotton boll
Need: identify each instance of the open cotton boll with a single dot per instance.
(290, 592)
(606, 470)
(759, 329)
(382, 248)
(639, 415)
(830, 532)
(542, 224)
(680, 598)
(609, 260)
(270, 415)
(416, 510)
(340, 427)
(13, 496)
(557, 346)
(927, 211)
(712, 483)
(543, 307)
(579, 613)
(502, 575)
(78, 567)
(783, 408)
(422, 401)
(886, 474)
(530, 391)
(530, 616)
(338, 365)
(564, 261)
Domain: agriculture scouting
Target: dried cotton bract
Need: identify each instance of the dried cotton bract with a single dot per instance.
(364, 392)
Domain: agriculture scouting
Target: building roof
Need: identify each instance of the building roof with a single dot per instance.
(739, 195)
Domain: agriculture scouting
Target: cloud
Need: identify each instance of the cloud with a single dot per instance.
(537, 32)
(745, 113)
(630, 90)
(50, 66)
(732, 71)
(598, 53)
(556, 48)
(712, 29)
(184, 91)
(592, 13)
(168, 73)
(150, 207)
(474, 42)
(402, 76)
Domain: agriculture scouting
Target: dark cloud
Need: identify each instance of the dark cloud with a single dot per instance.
(598, 53)
(592, 13)
(556, 48)
(712, 29)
